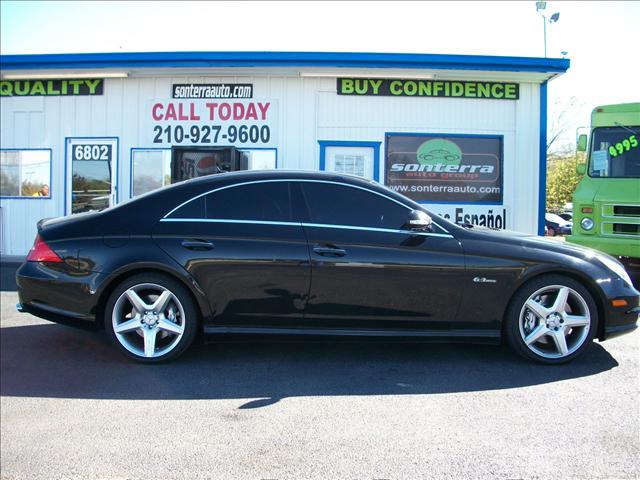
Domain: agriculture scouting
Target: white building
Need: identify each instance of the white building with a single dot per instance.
(465, 135)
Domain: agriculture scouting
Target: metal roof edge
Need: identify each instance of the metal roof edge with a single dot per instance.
(282, 59)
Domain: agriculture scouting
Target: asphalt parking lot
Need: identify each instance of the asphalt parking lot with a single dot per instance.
(72, 407)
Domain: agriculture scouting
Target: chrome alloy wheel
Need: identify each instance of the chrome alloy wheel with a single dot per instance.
(554, 321)
(148, 320)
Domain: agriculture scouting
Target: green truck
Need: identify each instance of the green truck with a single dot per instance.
(606, 204)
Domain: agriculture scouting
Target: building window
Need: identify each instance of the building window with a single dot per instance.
(354, 158)
(25, 173)
(150, 170)
(259, 159)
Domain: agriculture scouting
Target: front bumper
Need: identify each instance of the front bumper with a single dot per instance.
(621, 320)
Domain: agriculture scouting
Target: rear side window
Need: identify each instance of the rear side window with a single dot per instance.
(332, 204)
(193, 209)
(269, 201)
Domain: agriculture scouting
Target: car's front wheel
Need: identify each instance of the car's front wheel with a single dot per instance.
(151, 318)
(551, 319)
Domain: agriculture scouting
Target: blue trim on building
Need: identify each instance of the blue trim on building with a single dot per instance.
(348, 143)
(24, 197)
(117, 159)
(542, 168)
(282, 59)
(450, 135)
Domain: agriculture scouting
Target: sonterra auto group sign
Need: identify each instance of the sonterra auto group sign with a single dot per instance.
(44, 88)
(427, 88)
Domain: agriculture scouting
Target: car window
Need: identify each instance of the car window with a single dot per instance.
(342, 205)
(268, 201)
(192, 209)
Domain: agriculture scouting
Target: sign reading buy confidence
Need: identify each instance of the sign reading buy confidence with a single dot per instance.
(212, 122)
(427, 88)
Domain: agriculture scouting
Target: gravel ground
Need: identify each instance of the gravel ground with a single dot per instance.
(72, 407)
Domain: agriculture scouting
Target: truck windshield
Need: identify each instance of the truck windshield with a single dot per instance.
(615, 152)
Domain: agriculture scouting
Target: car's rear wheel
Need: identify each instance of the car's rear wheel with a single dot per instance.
(551, 319)
(151, 318)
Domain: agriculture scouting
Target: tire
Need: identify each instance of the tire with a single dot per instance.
(537, 320)
(151, 318)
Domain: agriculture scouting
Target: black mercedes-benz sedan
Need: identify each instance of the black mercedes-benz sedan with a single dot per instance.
(308, 253)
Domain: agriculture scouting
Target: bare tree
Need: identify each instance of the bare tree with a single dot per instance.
(560, 122)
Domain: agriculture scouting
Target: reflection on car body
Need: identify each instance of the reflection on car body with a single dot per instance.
(279, 252)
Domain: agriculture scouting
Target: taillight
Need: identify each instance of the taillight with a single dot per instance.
(41, 252)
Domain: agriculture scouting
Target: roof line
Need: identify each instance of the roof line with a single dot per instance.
(282, 59)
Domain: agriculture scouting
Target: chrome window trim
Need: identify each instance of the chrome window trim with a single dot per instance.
(298, 224)
(373, 229)
(222, 220)
(274, 180)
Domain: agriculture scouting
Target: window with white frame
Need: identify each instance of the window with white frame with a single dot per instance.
(150, 170)
(353, 160)
(25, 173)
(262, 159)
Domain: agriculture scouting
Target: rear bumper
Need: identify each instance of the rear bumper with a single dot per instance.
(63, 317)
(59, 295)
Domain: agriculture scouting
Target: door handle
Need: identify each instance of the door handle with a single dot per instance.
(197, 244)
(329, 251)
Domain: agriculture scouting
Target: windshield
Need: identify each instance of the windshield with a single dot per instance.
(615, 152)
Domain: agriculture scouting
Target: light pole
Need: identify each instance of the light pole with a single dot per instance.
(552, 19)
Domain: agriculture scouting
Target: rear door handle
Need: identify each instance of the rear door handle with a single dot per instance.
(197, 244)
(329, 251)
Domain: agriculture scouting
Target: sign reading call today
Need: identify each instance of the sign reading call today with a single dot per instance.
(212, 122)
(51, 88)
(427, 88)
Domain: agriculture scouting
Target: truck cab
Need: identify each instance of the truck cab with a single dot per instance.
(606, 204)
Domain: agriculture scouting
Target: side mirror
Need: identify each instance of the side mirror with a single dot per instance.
(581, 168)
(582, 143)
(418, 220)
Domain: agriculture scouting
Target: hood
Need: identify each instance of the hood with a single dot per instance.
(608, 190)
(530, 241)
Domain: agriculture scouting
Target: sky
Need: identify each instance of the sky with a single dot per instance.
(600, 38)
